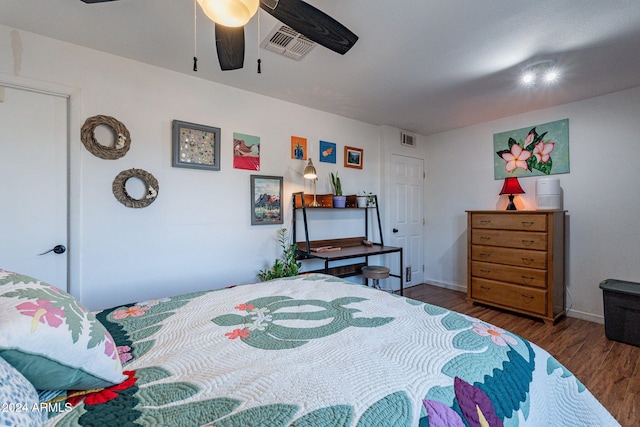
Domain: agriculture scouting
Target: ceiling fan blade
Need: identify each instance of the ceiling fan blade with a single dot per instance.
(230, 47)
(312, 23)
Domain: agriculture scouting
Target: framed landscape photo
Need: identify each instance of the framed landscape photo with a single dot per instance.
(266, 200)
(353, 157)
(196, 146)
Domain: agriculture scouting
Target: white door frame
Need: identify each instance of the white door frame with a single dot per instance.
(74, 185)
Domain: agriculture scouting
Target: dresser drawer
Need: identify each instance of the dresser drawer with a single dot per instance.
(509, 239)
(507, 273)
(518, 297)
(524, 222)
(509, 256)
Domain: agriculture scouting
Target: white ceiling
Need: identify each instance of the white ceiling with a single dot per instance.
(423, 66)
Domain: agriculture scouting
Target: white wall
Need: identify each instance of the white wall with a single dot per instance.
(197, 234)
(600, 194)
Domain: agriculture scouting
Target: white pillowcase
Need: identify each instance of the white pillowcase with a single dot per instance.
(54, 341)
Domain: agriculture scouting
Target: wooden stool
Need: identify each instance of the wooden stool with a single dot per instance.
(375, 272)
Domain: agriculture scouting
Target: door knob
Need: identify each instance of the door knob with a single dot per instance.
(57, 249)
(395, 230)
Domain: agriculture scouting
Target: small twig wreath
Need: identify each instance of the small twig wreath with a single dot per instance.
(87, 134)
(120, 188)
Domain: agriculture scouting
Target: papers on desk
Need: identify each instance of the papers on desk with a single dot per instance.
(325, 249)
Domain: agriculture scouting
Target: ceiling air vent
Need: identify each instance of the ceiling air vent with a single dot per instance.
(288, 42)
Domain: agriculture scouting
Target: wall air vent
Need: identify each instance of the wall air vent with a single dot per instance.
(408, 140)
(288, 42)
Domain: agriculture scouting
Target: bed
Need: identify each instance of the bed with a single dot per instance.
(306, 351)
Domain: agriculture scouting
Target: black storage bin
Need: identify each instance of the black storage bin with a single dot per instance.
(621, 310)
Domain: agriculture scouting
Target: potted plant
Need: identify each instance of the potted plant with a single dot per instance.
(367, 200)
(339, 201)
(371, 200)
(285, 266)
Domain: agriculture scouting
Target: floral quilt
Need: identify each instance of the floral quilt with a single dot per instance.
(317, 351)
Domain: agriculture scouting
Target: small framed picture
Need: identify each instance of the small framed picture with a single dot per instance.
(353, 157)
(327, 152)
(266, 200)
(196, 146)
(298, 148)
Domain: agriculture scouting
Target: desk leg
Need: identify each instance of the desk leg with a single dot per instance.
(401, 274)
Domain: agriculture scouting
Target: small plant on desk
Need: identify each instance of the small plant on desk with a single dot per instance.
(286, 265)
(336, 185)
(371, 199)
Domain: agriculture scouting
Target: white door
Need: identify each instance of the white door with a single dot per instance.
(33, 184)
(407, 213)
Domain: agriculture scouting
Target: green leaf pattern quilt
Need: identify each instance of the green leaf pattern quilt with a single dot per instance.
(318, 351)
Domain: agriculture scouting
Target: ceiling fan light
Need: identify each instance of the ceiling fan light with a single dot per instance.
(230, 13)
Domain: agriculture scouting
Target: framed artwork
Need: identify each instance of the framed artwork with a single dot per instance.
(196, 146)
(327, 152)
(298, 148)
(266, 200)
(532, 151)
(353, 157)
(246, 152)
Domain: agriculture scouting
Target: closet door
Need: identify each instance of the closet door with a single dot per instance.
(33, 184)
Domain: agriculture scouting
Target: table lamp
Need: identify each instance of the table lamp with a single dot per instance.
(511, 187)
(310, 173)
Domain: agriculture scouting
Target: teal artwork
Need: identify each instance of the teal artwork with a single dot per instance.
(532, 151)
(327, 152)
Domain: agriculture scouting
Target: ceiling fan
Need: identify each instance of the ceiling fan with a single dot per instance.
(298, 15)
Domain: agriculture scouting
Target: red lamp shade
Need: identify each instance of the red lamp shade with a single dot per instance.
(511, 186)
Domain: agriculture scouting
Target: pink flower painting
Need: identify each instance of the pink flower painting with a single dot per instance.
(525, 152)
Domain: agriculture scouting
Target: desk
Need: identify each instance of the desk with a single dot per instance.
(350, 248)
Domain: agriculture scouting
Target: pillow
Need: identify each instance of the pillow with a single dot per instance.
(19, 397)
(52, 339)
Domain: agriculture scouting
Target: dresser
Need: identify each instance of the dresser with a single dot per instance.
(516, 261)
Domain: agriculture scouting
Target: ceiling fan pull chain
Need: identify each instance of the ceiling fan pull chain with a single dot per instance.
(195, 38)
(259, 60)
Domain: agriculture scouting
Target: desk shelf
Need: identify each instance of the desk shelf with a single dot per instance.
(348, 248)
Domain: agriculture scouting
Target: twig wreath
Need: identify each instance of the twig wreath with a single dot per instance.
(120, 188)
(122, 145)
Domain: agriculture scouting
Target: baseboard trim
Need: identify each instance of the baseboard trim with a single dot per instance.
(451, 286)
(585, 316)
(590, 317)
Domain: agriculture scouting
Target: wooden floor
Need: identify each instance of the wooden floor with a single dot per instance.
(609, 369)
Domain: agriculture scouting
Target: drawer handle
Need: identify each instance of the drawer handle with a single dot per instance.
(486, 288)
(527, 223)
(485, 239)
(528, 278)
(485, 271)
(527, 296)
(528, 242)
(527, 261)
(485, 221)
(484, 256)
